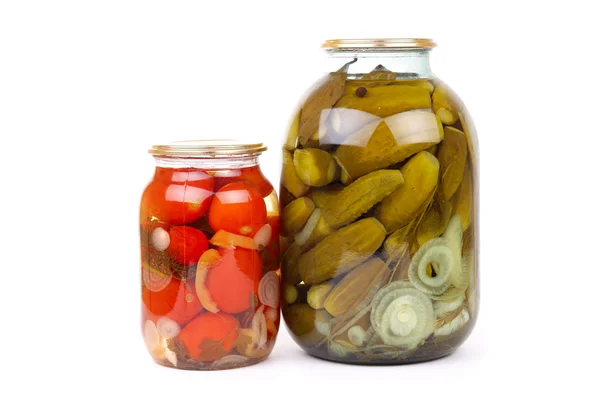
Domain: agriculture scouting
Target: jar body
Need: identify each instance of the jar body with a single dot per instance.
(379, 201)
(209, 264)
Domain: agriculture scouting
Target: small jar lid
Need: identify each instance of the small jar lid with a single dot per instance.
(207, 148)
(379, 43)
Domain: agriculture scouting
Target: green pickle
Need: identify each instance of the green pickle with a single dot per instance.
(379, 186)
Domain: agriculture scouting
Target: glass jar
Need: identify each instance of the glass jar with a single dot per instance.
(379, 201)
(209, 224)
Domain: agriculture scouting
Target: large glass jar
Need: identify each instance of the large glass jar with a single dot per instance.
(380, 209)
(209, 225)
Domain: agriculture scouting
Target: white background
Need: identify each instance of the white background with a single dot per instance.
(87, 86)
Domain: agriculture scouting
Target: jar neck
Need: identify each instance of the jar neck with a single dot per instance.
(207, 163)
(407, 63)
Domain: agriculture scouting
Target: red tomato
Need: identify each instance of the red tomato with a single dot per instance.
(250, 175)
(224, 177)
(234, 279)
(238, 208)
(177, 301)
(177, 196)
(209, 336)
(187, 245)
(256, 177)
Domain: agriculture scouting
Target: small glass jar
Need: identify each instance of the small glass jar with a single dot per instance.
(209, 225)
(379, 198)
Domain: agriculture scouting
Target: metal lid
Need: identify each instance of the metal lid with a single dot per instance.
(381, 43)
(207, 148)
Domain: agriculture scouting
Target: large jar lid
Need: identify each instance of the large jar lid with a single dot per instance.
(381, 43)
(207, 148)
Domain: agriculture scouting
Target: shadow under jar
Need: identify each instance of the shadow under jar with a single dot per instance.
(379, 198)
(209, 225)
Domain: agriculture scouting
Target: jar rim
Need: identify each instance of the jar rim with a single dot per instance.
(207, 148)
(379, 43)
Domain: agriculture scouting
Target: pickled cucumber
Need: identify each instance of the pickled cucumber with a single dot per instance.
(289, 177)
(325, 197)
(314, 167)
(420, 181)
(354, 286)
(300, 319)
(390, 141)
(295, 215)
(345, 178)
(285, 197)
(341, 251)
(452, 156)
(345, 206)
(306, 322)
(443, 105)
(384, 101)
(289, 265)
(318, 293)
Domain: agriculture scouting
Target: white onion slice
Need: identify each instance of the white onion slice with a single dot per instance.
(154, 280)
(458, 322)
(303, 236)
(259, 327)
(167, 328)
(230, 361)
(151, 336)
(268, 290)
(263, 236)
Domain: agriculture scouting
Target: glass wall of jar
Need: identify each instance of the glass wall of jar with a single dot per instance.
(379, 209)
(209, 224)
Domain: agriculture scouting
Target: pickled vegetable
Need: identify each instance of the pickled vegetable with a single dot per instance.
(381, 144)
(341, 208)
(352, 289)
(402, 316)
(384, 101)
(289, 264)
(289, 177)
(304, 322)
(295, 215)
(317, 294)
(315, 167)
(314, 231)
(341, 251)
(443, 105)
(381, 261)
(420, 174)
